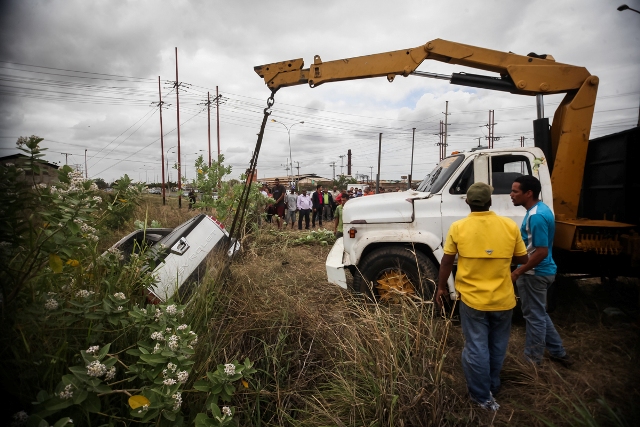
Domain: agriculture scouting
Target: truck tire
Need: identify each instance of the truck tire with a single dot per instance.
(390, 273)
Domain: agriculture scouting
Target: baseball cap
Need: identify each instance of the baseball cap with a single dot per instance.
(479, 194)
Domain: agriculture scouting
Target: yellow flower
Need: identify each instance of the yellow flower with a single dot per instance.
(123, 200)
(73, 262)
(245, 384)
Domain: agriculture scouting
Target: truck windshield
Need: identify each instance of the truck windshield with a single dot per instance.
(434, 181)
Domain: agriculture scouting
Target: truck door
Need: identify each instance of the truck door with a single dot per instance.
(454, 205)
(504, 169)
(497, 169)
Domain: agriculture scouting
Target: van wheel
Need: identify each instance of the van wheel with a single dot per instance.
(391, 273)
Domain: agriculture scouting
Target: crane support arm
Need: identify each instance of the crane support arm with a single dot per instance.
(526, 75)
(523, 75)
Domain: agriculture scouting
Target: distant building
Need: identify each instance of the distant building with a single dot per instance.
(48, 171)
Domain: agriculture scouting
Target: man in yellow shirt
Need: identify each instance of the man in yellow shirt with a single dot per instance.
(486, 245)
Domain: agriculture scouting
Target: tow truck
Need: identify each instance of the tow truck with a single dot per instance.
(393, 242)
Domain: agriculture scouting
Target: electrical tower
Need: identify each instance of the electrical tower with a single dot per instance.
(333, 165)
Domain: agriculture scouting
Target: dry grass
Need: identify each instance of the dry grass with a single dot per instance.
(326, 358)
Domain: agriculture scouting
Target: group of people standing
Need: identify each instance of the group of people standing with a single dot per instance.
(486, 245)
(314, 207)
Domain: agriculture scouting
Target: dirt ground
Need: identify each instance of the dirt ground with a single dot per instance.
(597, 321)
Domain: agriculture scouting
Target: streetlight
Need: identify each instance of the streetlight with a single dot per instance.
(167, 157)
(289, 133)
(625, 7)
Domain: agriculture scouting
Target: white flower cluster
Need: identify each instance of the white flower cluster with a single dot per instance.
(67, 393)
(93, 349)
(169, 381)
(158, 314)
(120, 308)
(97, 199)
(168, 330)
(111, 374)
(157, 336)
(86, 228)
(182, 376)
(157, 348)
(177, 397)
(144, 408)
(41, 185)
(117, 253)
(182, 327)
(172, 309)
(226, 411)
(83, 293)
(172, 367)
(20, 418)
(51, 304)
(195, 339)
(173, 342)
(96, 369)
(119, 295)
(230, 369)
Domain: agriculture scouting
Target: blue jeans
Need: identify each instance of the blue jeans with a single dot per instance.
(541, 333)
(486, 336)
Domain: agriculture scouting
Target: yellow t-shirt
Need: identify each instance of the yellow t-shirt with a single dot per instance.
(485, 244)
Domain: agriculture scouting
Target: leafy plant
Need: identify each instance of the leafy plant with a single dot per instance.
(321, 236)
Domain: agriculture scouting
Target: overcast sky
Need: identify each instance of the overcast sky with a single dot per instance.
(83, 75)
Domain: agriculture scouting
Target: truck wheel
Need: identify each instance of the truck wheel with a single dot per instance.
(391, 273)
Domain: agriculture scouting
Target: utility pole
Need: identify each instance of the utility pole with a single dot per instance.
(491, 126)
(446, 128)
(209, 127)
(208, 103)
(522, 138)
(370, 174)
(333, 164)
(164, 200)
(66, 158)
(443, 150)
(379, 154)
(177, 86)
(298, 167)
(341, 163)
(413, 140)
(218, 119)
(479, 138)
(349, 162)
(85, 164)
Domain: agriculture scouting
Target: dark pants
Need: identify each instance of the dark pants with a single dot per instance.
(317, 215)
(303, 213)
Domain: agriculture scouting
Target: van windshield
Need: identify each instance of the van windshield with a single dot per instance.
(434, 181)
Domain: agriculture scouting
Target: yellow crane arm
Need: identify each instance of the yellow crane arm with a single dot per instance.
(518, 74)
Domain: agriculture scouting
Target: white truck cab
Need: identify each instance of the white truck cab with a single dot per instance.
(393, 242)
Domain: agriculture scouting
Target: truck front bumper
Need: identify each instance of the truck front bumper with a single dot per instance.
(336, 262)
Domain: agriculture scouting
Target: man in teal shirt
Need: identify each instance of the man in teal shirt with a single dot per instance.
(534, 278)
